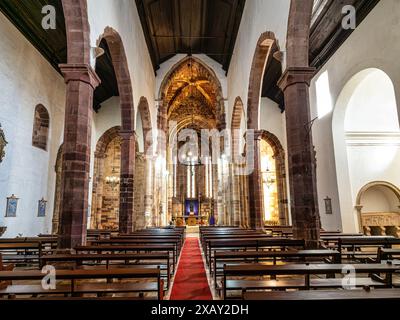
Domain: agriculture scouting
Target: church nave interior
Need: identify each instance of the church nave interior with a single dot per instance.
(200, 150)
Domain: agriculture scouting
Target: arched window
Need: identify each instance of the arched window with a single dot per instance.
(41, 124)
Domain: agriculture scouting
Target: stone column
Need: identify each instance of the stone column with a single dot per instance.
(126, 183)
(81, 81)
(148, 198)
(301, 155)
(256, 217)
(97, 194)
(235, 196)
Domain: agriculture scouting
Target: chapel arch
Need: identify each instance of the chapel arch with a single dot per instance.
(378, 208)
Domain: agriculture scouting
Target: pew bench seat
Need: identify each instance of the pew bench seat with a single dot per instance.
(81, 281)
(163, 269)
(85, 288)
(19, 258)
(326, 295)
(290, 284)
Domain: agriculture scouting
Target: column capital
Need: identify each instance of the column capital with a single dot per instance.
(257, 134)
(80, 72)
(127, 134)
(293, 75)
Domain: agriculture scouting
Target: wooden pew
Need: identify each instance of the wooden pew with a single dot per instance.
(214, 230)
(176, 238)
(390, 256)
(253, 244)
(311, 295)
(331, 241)
(129, 248)
(46, 242)
(247, 257)
(166, 229)
(173, 242)
(125, 260)
(3, 267)
(97, 234)
(238, 234)
(74, 288)
(387, 254)
(352, 246)
(21, 252)
(227, 230)
(306, 270)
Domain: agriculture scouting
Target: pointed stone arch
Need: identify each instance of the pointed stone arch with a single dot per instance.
(266, 46)
(120, 64)
(383, 221)
(209, 74)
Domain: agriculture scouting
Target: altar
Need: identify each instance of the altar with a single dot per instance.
(192, 214)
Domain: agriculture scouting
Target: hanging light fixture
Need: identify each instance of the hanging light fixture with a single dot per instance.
(113, 180)
(268, 175)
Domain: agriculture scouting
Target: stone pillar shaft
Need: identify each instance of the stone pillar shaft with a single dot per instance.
(256, 217)
(126, 183)
(301, 155)
(81, 81)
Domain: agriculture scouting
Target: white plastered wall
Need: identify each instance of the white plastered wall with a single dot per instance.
(374, 44)
(27, 79)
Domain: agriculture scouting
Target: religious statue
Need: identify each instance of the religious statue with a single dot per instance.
(3, 144)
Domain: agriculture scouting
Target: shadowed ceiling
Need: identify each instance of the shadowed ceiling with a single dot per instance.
(190, 26)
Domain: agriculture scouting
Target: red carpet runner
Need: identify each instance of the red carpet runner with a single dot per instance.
(191, 280)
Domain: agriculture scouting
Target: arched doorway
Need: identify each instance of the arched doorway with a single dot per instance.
(106, 180)
(273, 180)
(378, 208)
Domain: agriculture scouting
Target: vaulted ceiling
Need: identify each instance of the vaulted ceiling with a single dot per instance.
(190, 26)
(192, 91)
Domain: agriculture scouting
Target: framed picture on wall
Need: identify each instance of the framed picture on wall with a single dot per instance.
(328, 205)
(42, 208)
(11, 208)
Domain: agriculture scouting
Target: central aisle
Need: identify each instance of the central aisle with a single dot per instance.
(191, 280)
